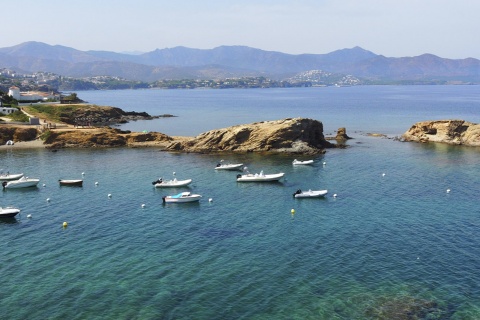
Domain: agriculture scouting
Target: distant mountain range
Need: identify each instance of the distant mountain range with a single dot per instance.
(233, 61)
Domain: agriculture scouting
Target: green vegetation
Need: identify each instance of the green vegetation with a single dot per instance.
(72, 98)
(8, 101)
(99, 83)
(45, 135)
(18, 116)
(54, 113)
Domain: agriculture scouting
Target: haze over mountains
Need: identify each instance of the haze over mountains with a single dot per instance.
(233, 61)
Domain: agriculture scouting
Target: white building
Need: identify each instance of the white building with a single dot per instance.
(15, 93)
(6, 110)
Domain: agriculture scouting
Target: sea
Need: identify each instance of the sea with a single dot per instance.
(396, 237)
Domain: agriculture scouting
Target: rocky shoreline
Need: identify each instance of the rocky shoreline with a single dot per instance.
(292, 135)
(83, 127)
(454, 132)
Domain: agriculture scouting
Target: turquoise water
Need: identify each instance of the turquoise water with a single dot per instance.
(387, 245)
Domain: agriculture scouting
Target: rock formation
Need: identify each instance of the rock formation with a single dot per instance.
(17, 134)
(456, 132)
(102, 137)
(297, 135)
(342, 134)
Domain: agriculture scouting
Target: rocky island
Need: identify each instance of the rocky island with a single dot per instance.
(291, 135)
(455, 132)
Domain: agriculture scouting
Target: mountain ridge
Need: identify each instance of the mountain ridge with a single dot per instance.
(233, 61)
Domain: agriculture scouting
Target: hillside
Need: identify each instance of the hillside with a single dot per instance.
(233, 61)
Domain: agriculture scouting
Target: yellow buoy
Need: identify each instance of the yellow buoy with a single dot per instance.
(292, 211)
(65, 224)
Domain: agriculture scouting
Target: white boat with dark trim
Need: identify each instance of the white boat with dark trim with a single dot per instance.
(23, 182)
(259, 177)
(298, 162)
(181, 198)
(8, 212)
(10, 176)
(310, 193)
(71, 182)
(160, 183)
(228, 166)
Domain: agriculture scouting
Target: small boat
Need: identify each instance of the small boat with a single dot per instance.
(181, 197)
(259, 177)
(160, 183)
(23, 182)
(228, 166)
(9, 176)
(71, 183)
(8, 212)
(310, 193)
(298, 162)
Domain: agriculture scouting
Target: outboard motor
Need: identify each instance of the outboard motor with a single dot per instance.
(297, 192)
(218, 165)
(158, 181)
(4, 184)
(239, 175)
(163, 199)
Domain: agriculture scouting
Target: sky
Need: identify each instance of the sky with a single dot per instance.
(393, 28)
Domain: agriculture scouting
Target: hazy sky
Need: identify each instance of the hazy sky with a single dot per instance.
(394, 28)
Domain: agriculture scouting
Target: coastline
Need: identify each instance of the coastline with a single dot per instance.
(38, 144)
(32, 144)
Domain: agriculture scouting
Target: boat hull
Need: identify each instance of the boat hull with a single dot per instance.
(181, 198)
(8, 212)
(18, 184)
(300, 163)
(260, 177)
(10, 177)
(173, 183)
(236, 166)
(71, 183)
(310, 194)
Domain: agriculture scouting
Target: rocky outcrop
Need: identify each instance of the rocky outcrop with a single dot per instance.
(297, 135)
(85, 114)
(342, 134)
(103, 137)
(17, 134)
(456, 132)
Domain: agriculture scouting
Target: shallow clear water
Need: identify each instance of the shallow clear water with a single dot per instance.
(388, 242)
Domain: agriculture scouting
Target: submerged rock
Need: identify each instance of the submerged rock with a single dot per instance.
(406, 308)
(297, 135)
(456, 132)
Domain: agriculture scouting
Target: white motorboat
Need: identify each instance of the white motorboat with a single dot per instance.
(310, 193)
(8, 212)
(181, 197)
(298, 162)
(160, 183)
(9, 176)
(259, 177)
(228, 166)
(23, 182)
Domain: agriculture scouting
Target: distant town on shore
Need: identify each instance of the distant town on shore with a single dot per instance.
(39, 86)
(38, 66)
